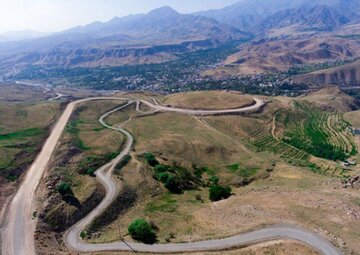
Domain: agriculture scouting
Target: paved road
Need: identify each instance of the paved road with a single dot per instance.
(18, 235)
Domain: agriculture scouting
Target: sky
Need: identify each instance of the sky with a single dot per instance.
(57, 15)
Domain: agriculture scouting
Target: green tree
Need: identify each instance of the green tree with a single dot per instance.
(64, 189)
(173, 184)
(142, 231)
(218, 192)
(150, 158)
(214, 180)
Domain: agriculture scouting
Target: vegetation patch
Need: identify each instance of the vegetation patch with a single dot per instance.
(92, 163)
(234, 167)
(175, 178)
(141, 230)
(217, 192)
(244, 172)
(73, 129)
(167, 205)
(123, 202)
(64, 189)
(319, 133)
(125, 160)
(21, 134)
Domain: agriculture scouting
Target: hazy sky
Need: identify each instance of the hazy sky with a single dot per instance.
(56, 15)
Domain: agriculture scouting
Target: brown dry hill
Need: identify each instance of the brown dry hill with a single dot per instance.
(282, 54)
(332, 99)
(211, 100)
(346, 75)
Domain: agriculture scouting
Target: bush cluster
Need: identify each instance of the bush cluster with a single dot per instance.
(218, 192)
(64, 189)
(175, 178)
(141, 230)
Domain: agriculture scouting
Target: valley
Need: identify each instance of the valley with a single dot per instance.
(177, 129)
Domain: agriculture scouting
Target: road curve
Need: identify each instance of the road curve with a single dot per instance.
(257, 105)
(17, 237)
(22, 206)
(276, 232)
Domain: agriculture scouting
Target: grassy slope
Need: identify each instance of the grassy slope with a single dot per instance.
(92, 146)
(22, 130)
(186, 140)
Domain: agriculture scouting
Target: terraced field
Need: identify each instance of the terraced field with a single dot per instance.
(316, 132)
(263, 141)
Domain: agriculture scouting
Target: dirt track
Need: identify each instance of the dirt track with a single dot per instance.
(18, 233)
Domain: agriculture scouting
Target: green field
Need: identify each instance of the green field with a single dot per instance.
(322, 134)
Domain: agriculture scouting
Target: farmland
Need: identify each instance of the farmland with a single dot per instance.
(316, 132)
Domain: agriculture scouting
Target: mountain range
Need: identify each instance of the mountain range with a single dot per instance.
(252, 15)
(145, 38)
(283, 33)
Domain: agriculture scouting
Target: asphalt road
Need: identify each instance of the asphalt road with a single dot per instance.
(18, 233)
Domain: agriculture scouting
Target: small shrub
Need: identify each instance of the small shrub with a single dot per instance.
(91, 171)
(83, 234)
(12, 178)
(160, 168)
(150, 159)
(64, 189)
(214, 180)
(218, 192)
(126, 159)
(173, 185)
(163, 177)
(142, 231)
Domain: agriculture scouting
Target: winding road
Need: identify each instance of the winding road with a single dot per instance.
(18, 231)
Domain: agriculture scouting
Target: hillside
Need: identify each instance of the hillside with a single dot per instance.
(346, 75)
(332, 99)
(255, 16)
(246, 15)
(270, 56)
(318, 18)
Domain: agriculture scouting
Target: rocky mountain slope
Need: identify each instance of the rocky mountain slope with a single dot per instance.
(318, 18)
(346, 75)
(255, 15)
(145, 38)
(271, 56)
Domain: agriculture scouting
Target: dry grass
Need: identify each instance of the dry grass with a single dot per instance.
(17, 117)
(353, 118)
(291, 195)
(11, 93)
(181, 138)
(121, 116)
(208, 100)
(331, 98)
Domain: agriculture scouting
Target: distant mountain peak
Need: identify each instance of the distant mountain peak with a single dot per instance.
(165, 11)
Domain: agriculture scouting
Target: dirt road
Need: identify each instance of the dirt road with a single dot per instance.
(18, 234)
